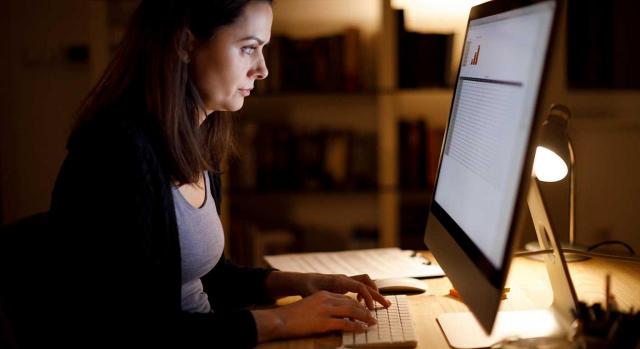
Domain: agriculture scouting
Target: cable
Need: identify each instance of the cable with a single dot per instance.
(633, 259)
(613, 242)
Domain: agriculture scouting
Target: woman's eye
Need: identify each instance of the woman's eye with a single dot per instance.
(248, 49)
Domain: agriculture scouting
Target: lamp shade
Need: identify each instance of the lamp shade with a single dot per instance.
(548, 166)
(552, 159)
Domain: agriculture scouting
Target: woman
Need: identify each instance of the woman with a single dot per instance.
(136, 202)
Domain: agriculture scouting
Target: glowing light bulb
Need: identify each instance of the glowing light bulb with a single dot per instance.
(548, 166)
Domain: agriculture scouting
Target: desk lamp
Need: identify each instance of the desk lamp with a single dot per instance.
(554, 152)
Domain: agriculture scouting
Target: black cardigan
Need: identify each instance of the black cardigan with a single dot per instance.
(118, 269)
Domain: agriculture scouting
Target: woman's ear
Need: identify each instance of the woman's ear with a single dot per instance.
(185, 45)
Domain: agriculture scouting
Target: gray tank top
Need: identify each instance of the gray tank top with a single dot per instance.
(201, 245)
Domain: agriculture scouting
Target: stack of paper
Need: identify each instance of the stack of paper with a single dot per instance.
(379, 263)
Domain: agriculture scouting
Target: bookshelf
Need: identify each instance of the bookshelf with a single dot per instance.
(350, 215)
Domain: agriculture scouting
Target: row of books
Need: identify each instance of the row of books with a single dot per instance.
(332, 63)
(328, 63)
(424, 59)
(418, 154)
(275, 157)
(253, 241)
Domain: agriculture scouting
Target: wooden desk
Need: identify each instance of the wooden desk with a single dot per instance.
(530, 289)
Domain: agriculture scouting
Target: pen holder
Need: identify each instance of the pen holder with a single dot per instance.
(597, 328)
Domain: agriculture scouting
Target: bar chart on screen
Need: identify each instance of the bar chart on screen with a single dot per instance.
(476, 56)
(471, 54)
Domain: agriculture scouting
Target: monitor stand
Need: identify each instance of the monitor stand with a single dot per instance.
(462, 330)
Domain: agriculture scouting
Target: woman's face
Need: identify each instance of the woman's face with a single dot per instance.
(225, 67)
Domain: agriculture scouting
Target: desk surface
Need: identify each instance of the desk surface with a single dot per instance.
(530, 289)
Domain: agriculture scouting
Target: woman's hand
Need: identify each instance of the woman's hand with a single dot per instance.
(360, 284)
(282, 284)
(318, 313)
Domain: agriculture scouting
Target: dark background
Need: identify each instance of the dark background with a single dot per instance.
(52, 51)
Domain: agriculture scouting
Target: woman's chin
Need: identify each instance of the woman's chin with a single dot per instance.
(237, 104)
(234, 105)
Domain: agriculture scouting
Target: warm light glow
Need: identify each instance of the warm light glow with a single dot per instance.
(310, 19)
(548, 166)
(436, 15)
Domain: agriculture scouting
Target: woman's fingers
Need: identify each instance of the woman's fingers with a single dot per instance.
(345, 284)
(365, 279)
(367, 293)
(375, 294)
(321, 312)
(345, 306)
(380, 299)
(360, 284)
(345, 325)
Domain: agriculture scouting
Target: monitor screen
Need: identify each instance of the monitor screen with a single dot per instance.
(483, 177)
(490, 124)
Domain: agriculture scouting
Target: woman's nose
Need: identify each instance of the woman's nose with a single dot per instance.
(261, 72)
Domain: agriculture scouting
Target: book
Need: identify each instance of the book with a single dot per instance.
(435, 137)
(363, 161)
(336, 158)
(412, 154)
(309, 160)
(424, 59)
(275, 145)
(327, 63)
(351, 75)
(244, 166)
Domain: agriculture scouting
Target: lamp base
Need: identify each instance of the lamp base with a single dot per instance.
(568, 256)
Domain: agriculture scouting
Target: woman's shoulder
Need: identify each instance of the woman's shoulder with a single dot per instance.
(119, 141)
(113, 130)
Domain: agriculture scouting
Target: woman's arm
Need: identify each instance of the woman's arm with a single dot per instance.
(232, 286)
(117, 255)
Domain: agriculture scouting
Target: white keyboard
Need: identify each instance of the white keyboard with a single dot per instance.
(393, 330)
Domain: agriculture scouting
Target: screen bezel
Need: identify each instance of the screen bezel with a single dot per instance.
(497, 275)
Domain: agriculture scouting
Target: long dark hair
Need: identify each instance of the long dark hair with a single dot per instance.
(147, 69)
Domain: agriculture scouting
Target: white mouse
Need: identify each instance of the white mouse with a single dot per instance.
(401, 285)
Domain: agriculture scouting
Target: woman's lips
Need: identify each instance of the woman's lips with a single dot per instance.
(245, 91)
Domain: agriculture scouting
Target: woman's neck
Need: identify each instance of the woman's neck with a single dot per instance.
(203, 115)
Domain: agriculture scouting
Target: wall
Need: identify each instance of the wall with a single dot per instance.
(41, 90)
(605, 128)
(329, 17)
(4, 93)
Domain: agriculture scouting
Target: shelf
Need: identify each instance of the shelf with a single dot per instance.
(349, 111)
(365, 93)
(404, 193)
(316, 94)
(416, 196)
(234, 192)
(374, 111)
(424, 91)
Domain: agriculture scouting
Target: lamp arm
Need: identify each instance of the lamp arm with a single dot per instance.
(572, 193)
(564, 294)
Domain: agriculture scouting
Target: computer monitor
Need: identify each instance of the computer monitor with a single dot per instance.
(484, 174)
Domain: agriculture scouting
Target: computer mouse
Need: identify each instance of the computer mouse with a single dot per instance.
(401, 285)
